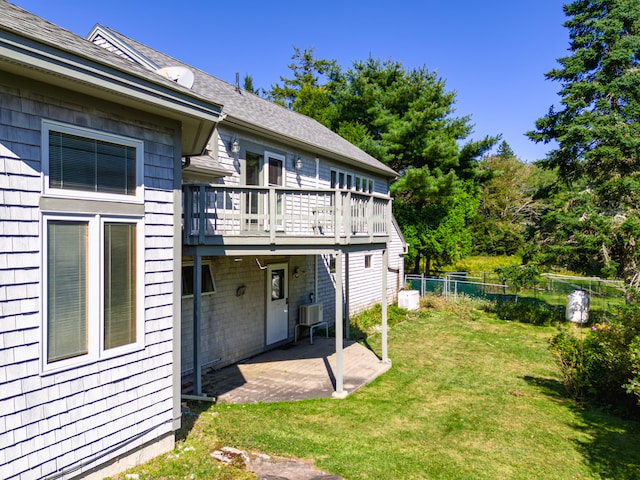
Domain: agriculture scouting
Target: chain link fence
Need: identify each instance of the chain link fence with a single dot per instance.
(548, 288)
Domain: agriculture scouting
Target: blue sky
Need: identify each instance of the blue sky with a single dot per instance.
(492, 53)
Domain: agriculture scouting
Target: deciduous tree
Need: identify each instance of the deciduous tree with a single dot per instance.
(507, 202)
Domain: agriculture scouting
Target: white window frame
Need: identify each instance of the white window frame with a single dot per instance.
(265, 169)
(342, 177)
(95, 282)
(349, 181)
(50, 125)
(209, 265)
(330, 262)
(368, 261)
(280, 207)
(362, 181)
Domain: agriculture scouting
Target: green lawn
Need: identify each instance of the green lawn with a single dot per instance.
(468, 397)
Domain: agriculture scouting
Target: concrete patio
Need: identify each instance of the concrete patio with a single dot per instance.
(297, 371)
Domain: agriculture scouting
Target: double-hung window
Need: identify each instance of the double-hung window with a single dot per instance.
(93, 251)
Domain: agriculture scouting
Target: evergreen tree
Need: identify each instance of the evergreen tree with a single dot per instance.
(405, 119)
(306, 93)
(504, 151)
(434, 210)
(597, 130)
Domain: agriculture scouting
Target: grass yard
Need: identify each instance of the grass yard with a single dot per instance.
(468, 397)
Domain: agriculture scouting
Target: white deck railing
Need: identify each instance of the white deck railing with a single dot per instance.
(213, 212)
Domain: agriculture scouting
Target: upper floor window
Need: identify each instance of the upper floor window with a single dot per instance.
(275, 171)
(80, 162)
(346, 181)
(364, 184)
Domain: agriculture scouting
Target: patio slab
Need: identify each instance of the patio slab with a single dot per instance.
(296, 371)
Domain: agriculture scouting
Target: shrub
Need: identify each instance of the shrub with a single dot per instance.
(603, 365)
(634, 383)
(569, 353)
(463, 306)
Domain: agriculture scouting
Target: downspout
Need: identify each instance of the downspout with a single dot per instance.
(176, 373)
(347, 287)
(197, 323)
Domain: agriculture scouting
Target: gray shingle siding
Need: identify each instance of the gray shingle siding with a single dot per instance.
(52, 422)
(233, 327)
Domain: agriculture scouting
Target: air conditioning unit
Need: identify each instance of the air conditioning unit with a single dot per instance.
(310, 314)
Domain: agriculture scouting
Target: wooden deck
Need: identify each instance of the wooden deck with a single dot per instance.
(220, 214)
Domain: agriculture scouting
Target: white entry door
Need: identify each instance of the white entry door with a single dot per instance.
(277, 303)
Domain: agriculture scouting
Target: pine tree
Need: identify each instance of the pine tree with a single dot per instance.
(597, 128)
(404, 118)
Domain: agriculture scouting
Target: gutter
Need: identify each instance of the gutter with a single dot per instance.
(145, 91)
(31, 55)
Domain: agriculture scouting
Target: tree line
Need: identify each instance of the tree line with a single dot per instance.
(578, 208)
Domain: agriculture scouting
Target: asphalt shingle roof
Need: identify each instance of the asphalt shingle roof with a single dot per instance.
(243, 107)
(25, 24)
(251, 109)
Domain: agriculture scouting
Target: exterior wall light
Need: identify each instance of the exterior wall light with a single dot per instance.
(235, 146)
(297, 164)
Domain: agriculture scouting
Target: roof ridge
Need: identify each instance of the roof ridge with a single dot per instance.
(253, 110)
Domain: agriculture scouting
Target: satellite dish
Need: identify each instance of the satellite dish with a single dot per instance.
(181, 75)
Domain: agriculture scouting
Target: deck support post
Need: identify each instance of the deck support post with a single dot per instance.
(339, 374)
(197, 321)
(385, 268)
(347, 332)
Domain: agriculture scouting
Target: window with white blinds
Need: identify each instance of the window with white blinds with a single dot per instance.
(67, 289)
(120, 288)
(87, 163)
(93, 288)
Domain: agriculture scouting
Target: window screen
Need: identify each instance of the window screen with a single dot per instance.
(275, 172)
